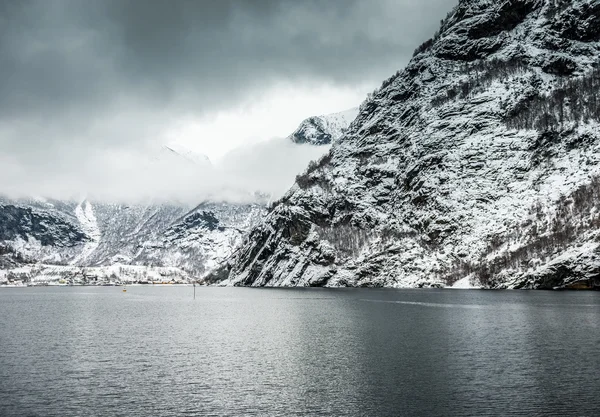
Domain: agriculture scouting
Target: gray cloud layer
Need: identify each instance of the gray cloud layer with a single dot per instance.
(79, 79)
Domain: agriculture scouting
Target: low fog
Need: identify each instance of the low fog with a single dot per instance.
(269, 167)
(171, 174)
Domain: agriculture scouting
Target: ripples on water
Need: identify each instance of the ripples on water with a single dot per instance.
(361, 352)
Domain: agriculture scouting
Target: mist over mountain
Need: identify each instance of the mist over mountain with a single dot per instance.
(173, 173)
(175, 214)
(89, 92)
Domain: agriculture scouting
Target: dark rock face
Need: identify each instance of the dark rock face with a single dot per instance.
(559, 66)
(506, 17)
(204, 219)
(565, 275)
(579, 23)
(49, 230)
(476, 30)
(468, 50)
(480, 163)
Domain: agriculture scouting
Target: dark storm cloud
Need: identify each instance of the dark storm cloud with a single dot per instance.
(79, 77)
(59, 54)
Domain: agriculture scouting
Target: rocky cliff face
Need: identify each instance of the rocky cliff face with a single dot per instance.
(478, 164)
(21, 222)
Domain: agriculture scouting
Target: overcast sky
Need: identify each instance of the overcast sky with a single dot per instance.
(88, 87)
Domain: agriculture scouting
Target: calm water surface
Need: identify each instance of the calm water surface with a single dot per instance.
(360, 352)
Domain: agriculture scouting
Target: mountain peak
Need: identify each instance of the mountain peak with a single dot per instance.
(324, 129)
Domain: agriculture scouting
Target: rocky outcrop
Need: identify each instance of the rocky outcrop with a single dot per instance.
(323, 130)
(479, 161)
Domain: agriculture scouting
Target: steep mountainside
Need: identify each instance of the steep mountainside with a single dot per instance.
(477, 165)
(323, 130)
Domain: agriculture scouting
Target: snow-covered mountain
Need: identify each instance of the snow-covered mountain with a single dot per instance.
(53, 239)
(325, 129)
(476, 165)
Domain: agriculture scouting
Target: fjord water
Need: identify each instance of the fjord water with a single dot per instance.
(87, 351)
